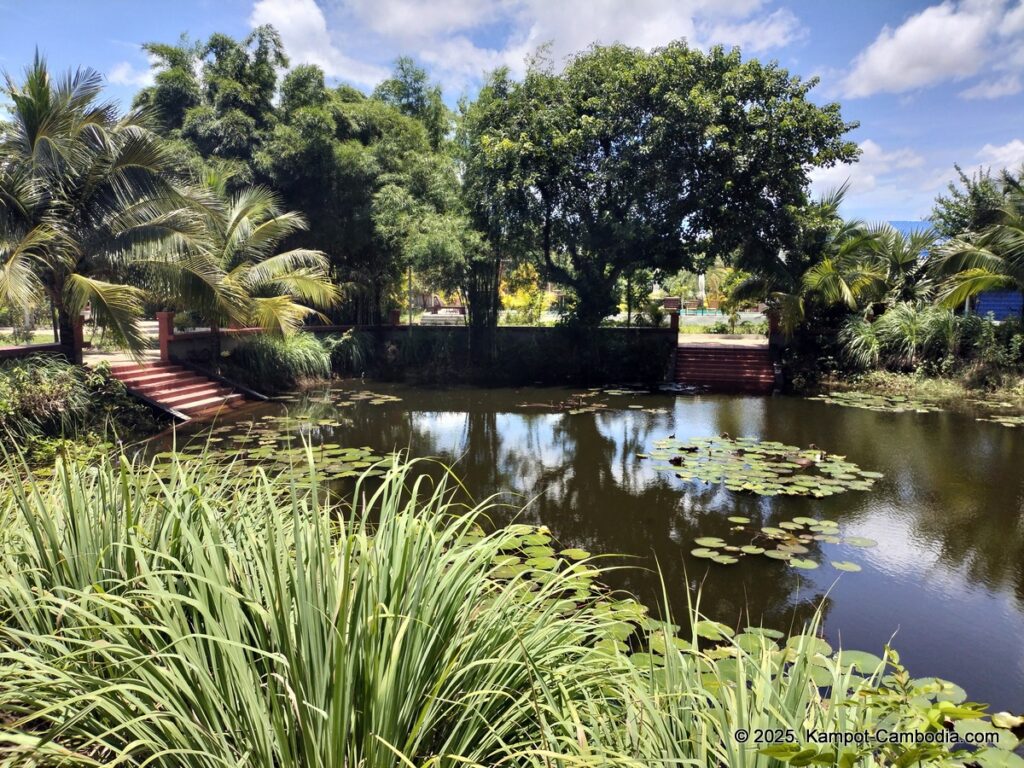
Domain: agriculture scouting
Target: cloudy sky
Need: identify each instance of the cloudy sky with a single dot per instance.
(932, 84)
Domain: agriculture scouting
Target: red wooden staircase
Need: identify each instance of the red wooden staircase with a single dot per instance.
(174, 388)
(725, 367)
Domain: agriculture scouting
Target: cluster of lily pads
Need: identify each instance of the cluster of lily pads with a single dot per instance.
(529, 555)
(789, 542)
(878, 402)
(588, 402)
(331, 461)
(767, 468)
(341, 397)
(1004, 420)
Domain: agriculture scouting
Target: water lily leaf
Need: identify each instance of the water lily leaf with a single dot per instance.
(750, 549)
(803, 564)
(774, 634)
(574, 554)
(777, 555)
(738, 520)
(704, 552)
(844, 565)
(712, 630)
(1006, 720)
(725, 560)
(858, 660)
(812, 643)
(805, 521)
(754, 642)
(538, 550)
(543, 563)
(860, 541)
(709, 541)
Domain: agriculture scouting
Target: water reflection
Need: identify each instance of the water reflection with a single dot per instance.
(947, 576)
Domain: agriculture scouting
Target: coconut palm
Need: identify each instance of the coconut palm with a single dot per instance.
(992, 259)
(81, 190)
(828, 264)
(241, 232)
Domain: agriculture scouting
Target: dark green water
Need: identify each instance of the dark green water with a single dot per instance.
(946, 581)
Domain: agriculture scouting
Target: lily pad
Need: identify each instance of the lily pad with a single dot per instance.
(803, 564)
(860, 541)
(845, 565)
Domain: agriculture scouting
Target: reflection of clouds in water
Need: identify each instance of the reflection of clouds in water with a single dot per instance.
(446, 429)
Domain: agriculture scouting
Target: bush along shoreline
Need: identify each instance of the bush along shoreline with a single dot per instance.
(49, 405)
(211, 618)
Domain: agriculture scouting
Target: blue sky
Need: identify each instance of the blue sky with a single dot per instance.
(931, 83)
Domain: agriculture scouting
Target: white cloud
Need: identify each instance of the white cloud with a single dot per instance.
(863, 176)
(884, 184)
(124, 73)
(779, 28)
(304, 32)
(461, 39)
(942, 42)
(1008, 85)
(1009, 155)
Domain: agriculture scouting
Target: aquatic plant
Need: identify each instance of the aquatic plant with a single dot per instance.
(767, 468)
(206, 618)
(788, 541)
(272, 364)
(878, 402)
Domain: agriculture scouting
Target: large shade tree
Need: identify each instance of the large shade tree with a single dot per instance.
(665, 160)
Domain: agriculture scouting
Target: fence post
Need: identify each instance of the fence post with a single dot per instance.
(165, 327)
(673, 320)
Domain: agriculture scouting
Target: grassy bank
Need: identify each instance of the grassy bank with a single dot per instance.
(210, 618)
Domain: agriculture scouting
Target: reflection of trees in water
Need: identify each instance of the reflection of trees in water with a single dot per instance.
(957, 485)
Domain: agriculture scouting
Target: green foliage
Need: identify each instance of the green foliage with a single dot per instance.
(272, 364)
(409, 90)
(970, 205)
(44, 399)
(931, 339)
(989, 259)
(83, 191)
(242, 616)
(629, 159)
(351, 353)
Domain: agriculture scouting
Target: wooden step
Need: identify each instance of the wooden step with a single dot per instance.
(176, 388)
(725, 368)
(195, 406)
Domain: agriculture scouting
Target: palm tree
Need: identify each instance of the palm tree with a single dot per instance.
(828, 264)
(240, 235)
(902, 265)
(992, 259)
(81, 189)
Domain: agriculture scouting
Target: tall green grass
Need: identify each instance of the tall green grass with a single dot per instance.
(203, 618)
(275, 364)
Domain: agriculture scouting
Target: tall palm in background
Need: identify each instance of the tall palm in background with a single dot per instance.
(81, 190)
(827, 263)
(991, 259)
(239, 236)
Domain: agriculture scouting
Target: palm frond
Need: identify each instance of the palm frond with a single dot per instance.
(117, 307)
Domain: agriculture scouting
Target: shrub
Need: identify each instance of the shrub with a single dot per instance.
(44, 399)
(273, 364)
(351, 353)
(203, 620)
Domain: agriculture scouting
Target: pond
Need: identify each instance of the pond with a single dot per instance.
(945, 581)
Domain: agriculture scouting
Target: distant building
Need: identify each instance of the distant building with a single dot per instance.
(1000, 304)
